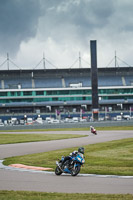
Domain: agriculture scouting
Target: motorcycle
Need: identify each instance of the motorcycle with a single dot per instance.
(71, 166)
(93, 130)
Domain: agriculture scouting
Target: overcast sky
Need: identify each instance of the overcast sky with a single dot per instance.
(60, 29)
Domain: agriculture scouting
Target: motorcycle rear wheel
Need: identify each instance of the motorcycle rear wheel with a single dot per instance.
(75, 171)
(58, 171)
(95, 133)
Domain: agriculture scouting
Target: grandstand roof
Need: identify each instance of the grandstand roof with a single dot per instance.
(66, 72)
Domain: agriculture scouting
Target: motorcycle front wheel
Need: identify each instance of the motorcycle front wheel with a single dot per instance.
(75, 171)
(58, 171)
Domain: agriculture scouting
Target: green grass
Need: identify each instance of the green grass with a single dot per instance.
(19, 138)
(115, 157)
(117, 128)
(75, 129)
(21, 195)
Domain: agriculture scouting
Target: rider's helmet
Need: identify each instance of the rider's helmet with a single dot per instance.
(81, 150)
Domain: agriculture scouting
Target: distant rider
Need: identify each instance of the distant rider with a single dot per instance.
(92, 129)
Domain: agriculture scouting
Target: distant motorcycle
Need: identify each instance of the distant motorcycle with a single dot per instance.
(71, 166)
(93, 130)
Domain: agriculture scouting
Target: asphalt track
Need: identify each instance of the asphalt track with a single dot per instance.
(29, 180)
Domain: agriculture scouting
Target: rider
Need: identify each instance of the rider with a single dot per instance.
(74, 154)
(92, 129)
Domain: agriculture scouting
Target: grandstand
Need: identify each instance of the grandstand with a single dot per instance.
(47, 90)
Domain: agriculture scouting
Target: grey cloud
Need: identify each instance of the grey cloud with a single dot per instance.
(65, 21)
(18, 22)
(75, 20)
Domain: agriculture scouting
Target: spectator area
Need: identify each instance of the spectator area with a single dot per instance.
(64, 78)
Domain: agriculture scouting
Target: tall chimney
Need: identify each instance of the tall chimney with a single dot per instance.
(94, 80)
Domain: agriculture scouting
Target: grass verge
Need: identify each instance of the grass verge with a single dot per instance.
(109, 128)
(22, 195)
(19, 138)
(115, 158)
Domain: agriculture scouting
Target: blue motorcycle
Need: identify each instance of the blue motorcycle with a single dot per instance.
(71, 166)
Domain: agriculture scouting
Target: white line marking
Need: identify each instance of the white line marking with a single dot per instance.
(47, 172)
